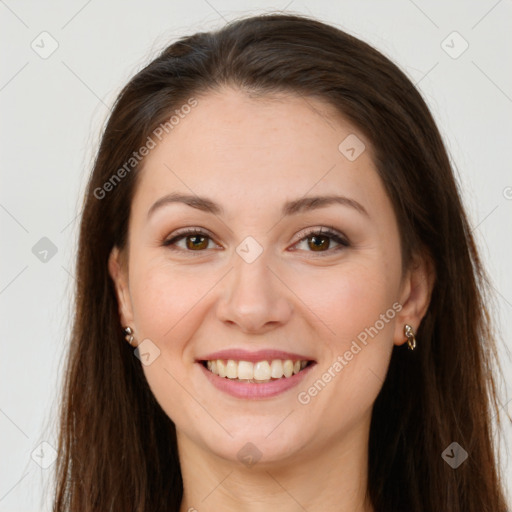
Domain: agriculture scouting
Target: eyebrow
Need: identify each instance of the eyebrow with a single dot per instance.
(289, 208)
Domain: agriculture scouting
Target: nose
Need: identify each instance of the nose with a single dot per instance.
(253, 298)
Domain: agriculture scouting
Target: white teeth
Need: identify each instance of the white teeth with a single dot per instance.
(245, 370)
(231, 369)
(276, 369)
(288, 368)
(221, 368)
(261, 371)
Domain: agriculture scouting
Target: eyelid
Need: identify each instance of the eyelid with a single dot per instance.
(330, 231)
(323, 230)
(189, 231)
(183, 233)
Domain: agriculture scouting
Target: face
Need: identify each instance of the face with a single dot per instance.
(250, 269)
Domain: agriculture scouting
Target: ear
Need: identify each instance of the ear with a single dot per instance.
(415, 294)
(119, 273)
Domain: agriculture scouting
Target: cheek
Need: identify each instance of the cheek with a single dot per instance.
(169, 303)
(168, 307)
(350, 299)
(356, 304)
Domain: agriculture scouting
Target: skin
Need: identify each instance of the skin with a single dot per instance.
(251, 155)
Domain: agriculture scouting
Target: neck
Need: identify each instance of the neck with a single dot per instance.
(332, 478)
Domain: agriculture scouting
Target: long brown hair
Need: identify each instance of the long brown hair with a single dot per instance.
(117, 448)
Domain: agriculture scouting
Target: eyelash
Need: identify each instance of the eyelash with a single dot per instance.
(325, 231)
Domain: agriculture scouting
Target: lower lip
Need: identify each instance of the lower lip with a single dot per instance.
(252, 390)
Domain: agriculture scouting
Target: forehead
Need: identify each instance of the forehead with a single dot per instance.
(257, 149)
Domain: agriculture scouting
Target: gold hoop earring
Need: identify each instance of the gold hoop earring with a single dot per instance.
(411, 337)
(129, 335)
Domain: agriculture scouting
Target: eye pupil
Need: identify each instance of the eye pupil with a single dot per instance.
(195, 244)
(320, 245)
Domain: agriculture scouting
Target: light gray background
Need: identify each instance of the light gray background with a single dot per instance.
(52, 110)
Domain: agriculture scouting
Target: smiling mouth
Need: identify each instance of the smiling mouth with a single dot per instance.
(258, 372)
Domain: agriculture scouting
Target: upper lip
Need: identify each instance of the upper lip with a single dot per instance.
(240, 354)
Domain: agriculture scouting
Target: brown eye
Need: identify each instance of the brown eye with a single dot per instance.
(195, 242)
(192, 240)
(323, 241)
(319, 243)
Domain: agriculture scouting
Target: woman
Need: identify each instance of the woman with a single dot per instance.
(279, 300)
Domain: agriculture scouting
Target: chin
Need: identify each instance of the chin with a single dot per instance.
(257, 443)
